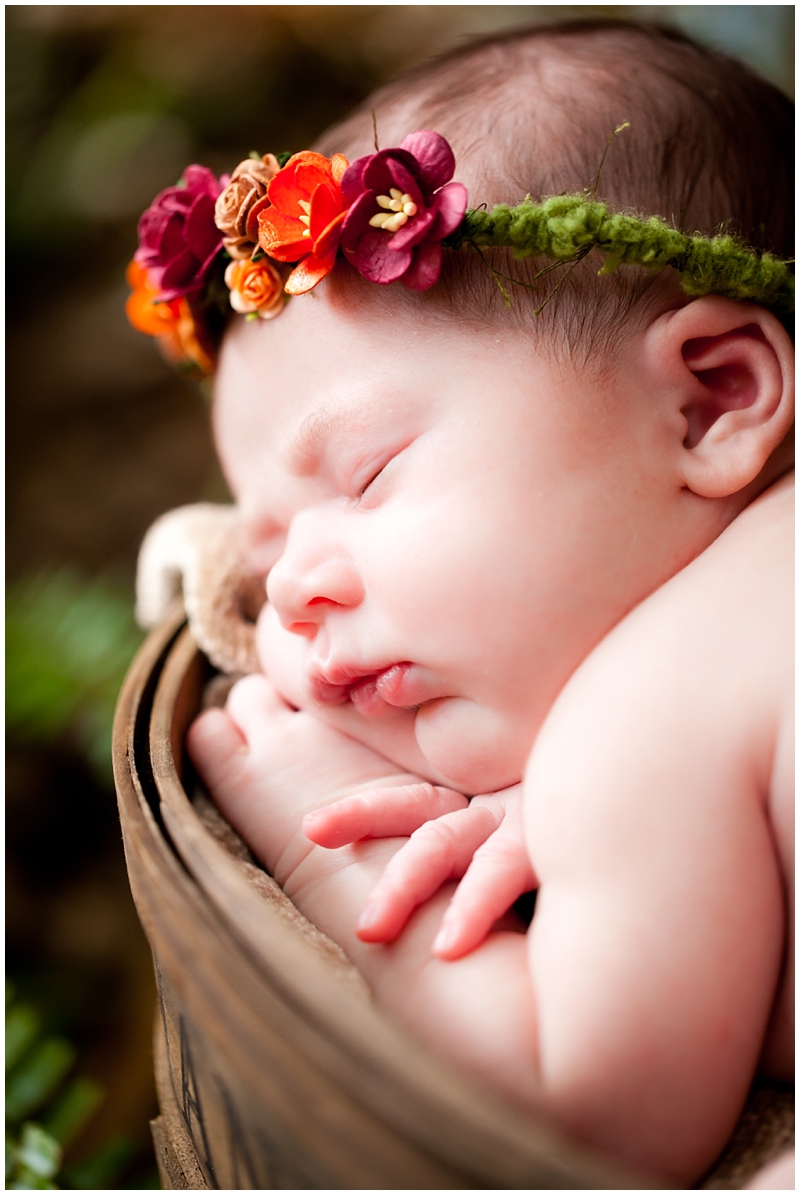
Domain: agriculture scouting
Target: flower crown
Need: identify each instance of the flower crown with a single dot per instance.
(209, 247)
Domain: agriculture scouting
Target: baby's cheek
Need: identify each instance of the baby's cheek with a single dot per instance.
(478, 750)
(282, 657)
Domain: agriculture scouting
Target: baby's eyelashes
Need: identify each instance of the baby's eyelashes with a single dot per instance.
(375, 470)
(358, 479)
(373, 477)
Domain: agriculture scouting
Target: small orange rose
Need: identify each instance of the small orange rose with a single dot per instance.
(255, 286)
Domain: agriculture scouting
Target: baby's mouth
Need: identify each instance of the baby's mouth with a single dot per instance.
(374, 694)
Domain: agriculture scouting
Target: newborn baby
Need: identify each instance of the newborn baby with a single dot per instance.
(498, 547)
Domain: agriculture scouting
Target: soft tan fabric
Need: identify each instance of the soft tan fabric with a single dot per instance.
(200, 551)
(765, 1129)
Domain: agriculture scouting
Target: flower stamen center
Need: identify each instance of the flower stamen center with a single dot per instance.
(306, 216)
(398, 210)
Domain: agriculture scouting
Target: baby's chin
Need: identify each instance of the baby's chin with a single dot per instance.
(476, 750)
(449, 741)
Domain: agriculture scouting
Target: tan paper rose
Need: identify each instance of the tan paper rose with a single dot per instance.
(255, 286)
(234, 207)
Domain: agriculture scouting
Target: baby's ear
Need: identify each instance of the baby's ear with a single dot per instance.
(728, 369)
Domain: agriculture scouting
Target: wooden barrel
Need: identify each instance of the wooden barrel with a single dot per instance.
(274, 1067)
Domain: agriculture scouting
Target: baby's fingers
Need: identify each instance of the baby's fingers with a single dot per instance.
(500, 872)
(253, 702)
(216, 746)
(438, 851)
(381, 813)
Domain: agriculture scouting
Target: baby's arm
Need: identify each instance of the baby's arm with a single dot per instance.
(483, 842)
(649, 799)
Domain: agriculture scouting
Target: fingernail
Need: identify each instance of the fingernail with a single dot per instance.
(444, 939)
(367, 915)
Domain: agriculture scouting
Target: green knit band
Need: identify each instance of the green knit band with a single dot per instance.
(566, 227)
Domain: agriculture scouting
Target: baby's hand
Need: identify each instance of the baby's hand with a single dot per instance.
(481, 842)
(266, 764)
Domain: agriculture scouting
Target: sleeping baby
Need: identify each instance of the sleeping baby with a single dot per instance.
(529, 576)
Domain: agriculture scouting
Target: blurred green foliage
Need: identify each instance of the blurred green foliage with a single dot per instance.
(37, 1084)
(103, 1169)
(36, 1068)
(69, 641)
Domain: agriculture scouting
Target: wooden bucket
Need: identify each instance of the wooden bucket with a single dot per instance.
(274, 1068)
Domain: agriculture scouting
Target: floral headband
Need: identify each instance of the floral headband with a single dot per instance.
(210, 247)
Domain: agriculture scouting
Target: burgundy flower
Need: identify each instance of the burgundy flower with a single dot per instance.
(401, 205)
(178, 239)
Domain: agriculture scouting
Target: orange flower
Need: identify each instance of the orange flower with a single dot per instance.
(255, 286)
(142, 310)
(171, 323)
(305, 219)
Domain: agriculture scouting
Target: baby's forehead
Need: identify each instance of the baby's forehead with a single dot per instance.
(277, 406)
(333, 374)
(324, 361)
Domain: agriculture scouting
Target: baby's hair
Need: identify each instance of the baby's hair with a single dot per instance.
(709, 148)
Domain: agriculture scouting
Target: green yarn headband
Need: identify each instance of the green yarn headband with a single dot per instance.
(566, 227)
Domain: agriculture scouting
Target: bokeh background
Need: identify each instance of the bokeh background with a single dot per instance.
(105, 106)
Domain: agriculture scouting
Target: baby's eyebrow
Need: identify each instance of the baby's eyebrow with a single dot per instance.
(304, 447)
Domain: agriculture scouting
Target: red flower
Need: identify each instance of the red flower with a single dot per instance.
(178, 239)
(305, 220)
(401, 205)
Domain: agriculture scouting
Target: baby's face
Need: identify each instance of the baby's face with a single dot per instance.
(448, 519)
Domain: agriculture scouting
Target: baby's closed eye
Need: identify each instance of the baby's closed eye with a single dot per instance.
(368, 478)
(370, 481)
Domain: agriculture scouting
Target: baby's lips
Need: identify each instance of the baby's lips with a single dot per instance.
(327, 693)
(381, 694)
(366, 699)
(404, 685)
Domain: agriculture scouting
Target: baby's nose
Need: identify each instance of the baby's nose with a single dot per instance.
(304, 591)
